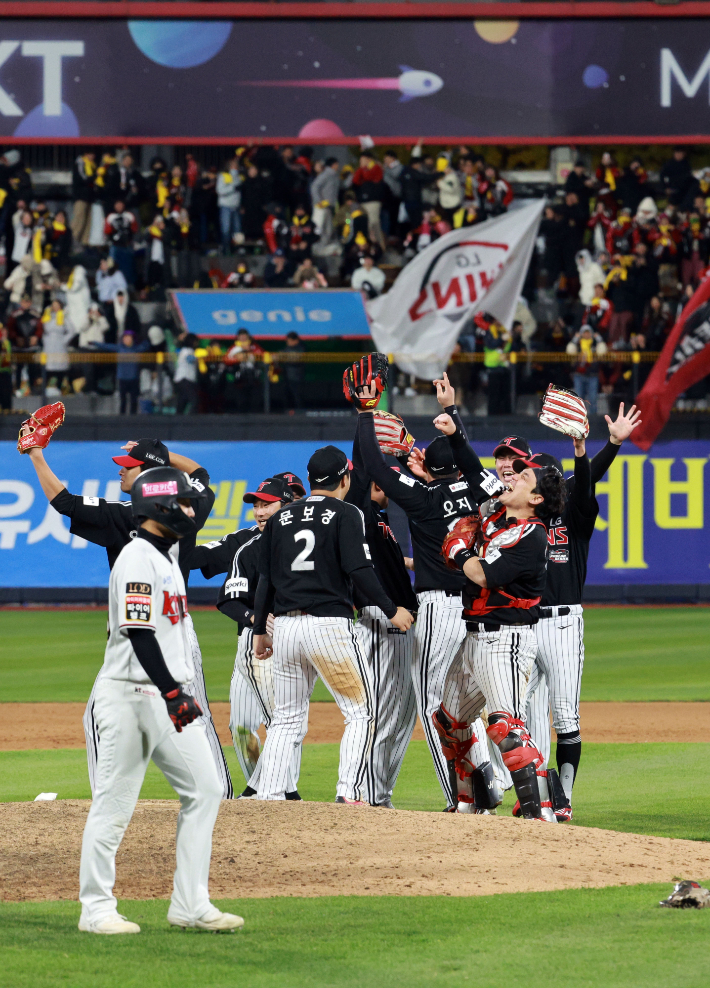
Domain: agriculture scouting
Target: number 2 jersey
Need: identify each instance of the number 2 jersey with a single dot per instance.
(311, 553)
(146, 590)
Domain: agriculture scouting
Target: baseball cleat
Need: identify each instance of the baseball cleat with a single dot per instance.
(214, 921)
(350, 802)
(110, 925)
(248, 793)
(294, 796)
(386, 804)
(516, 809)
(564, 814)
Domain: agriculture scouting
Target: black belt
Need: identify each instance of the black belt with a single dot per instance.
(448, 593)
(479, 627)
(546, 612)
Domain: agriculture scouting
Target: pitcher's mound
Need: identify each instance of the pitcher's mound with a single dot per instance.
(312, 849)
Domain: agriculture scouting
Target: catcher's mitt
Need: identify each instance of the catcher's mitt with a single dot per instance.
(462, 537)
(370, 369)
(687, 895)
(37, 430)
(565, 412)
(392, 435)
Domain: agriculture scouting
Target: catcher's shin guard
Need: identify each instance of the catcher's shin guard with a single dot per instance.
(547, 805)
(486, 793)
(457, 739)
(520, 757)
(528, 792)
(561, 806)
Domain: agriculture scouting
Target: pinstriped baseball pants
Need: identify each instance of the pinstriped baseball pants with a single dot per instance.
(389, 655)
(251, 703)
(439, 634)
(197, 689)
(306, 646)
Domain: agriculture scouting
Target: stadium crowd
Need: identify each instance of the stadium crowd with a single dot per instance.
(618, 256)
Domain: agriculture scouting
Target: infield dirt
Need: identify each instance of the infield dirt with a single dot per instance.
(314, 849)
(58, 725)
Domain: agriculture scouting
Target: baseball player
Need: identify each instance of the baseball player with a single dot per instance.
(252, 688)
(110, 524)
(144, 712)
(311, 554)
(388, 650)
(432, 506)
(505, 582)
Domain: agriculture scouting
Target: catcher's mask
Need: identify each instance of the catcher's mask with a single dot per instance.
(156, 494)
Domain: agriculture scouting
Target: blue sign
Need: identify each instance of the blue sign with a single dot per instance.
(650, 528)
(319, 313)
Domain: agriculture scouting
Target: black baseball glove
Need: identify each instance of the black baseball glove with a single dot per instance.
(370, 369)
(182, 709)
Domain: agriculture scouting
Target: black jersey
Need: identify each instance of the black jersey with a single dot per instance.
(386, 553)
(110, 523)
(432, 509)
(311, 553)
(514, 560)
(237, 555)
(214, 558)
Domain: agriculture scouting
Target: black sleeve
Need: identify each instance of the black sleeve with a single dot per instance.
(212, 557)
(453, 411)
(466, 459)
(359, 492)
(93, 518)
(582, 494)
(203, 506)
(263, 604)
(148, 653)
(366, 581)
(602, 461)
(64, 502)
(406, 491)
(235, 609)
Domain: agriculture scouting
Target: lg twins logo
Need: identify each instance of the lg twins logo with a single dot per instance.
(174, 606)
(477, 264)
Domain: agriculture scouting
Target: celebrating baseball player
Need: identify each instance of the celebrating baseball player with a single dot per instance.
(312, 552)
(111, 524)
(433, 505)
(388, 650)
(143, 712)
(251, 692)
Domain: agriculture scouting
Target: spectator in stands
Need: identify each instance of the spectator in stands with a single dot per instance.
(83, 194)
(255, 193)
(127, 370)
(301, 235)
(109, 280)
(495, 193)
(243, 375)
(156, 253)
(590, 274)
(5, 370)
(600, 224)
(677, 177)
(582, 184)
(694, 248)
(204, 212)
(552, 234)
(470, 179)
(656, 324)
(588, 346)
(633, 186)
(430, 229)
(643, 275)
(293, 374)
(25, 331)
(450, 194)
(276, 230)
(120, 228)
(185, 378)
(607, 175)
(620, 292)
(19, 281)
(131, 184)
(368, 278)
(276, 272)
(23, 225)
(308, 275)
(229, 199)
(59, 241)
(392, 175)
(122, 317)
(574, 227)
(413, 179)
(57, 331)
(368, 183)
(599, 311)
(93, 335)
(496, 347)
(325, 190)
(78, 298)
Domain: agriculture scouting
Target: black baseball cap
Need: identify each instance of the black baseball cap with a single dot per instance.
(294, 482)
(271, 489)
(146, 453)
(438, 457)
(327, 465)
(546, 460)
(513, 444)
(537, 468)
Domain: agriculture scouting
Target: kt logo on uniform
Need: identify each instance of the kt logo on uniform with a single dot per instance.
(174, 606)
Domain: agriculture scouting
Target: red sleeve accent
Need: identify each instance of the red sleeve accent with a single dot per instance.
(508, 197)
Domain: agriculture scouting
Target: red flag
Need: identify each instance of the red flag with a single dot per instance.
(684, 360)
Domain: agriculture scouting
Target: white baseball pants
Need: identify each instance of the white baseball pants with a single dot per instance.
(197, 689)
(501, 663)
(440, 631)
(388, 653)
(251, 703)
(134, 726)
(305, 646)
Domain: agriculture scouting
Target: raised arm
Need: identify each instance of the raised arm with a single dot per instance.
(48, 481)
(619, 430)
(359, 492)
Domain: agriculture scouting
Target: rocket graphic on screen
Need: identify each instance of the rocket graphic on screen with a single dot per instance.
(411, 83)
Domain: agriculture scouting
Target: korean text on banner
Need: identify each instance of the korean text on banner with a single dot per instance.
(475, 269)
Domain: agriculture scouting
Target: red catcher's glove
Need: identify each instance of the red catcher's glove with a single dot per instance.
(182, 709)
(392, 435)
(370, 369)
(41, 426)
(462, 537)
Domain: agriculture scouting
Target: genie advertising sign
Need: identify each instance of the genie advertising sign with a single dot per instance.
(325, 81)
(650, 529)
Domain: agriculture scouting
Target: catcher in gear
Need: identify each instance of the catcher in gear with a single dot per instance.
(372, 369)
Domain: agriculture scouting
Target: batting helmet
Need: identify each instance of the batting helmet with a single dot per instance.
(156, 494)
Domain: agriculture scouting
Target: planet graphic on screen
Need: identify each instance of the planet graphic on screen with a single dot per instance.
(180, 44)
(36, 124)
(319, 129)
(594, 76)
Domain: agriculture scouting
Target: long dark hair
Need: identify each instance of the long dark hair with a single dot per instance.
(551, 485)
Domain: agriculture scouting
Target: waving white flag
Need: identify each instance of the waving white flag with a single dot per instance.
(476, 269)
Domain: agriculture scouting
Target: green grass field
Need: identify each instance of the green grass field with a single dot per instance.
(631, 654)
(616, 937)
(584, 938)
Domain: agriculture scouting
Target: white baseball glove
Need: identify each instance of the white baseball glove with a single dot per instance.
(565, 412)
